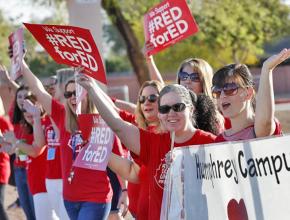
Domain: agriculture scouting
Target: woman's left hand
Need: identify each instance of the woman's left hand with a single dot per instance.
(85, 81)
(276, 59)
(9, 137)
(32, 109)
(123, 203)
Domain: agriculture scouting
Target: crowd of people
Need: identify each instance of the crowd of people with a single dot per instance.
(42, 131)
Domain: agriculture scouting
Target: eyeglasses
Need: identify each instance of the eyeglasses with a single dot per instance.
(151, 98)
(229, 89)
(178, 107)
(183, 76)
(68, 94)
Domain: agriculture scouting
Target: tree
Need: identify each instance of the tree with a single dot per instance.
(230, 31)
(6, 29)
(240, 27)
(136, 57)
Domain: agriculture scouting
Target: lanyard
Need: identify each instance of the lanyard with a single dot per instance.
(74, 145)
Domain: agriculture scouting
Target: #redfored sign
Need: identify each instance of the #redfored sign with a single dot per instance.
(16, 43)
(70, 45)
(166, 24)
(95, 154)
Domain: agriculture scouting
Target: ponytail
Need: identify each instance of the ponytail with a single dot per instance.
(205, 115)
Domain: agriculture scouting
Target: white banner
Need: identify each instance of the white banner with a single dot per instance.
(235, 181)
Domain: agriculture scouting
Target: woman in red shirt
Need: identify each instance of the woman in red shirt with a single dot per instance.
(37, 157)
(87, 193)
(233, 88)
(176, 106)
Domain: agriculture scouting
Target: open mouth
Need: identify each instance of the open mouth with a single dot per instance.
(225, 105)
(147, 110)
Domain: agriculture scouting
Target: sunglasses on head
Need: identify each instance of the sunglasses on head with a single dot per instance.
(229, 89)
(178, 107)
(69, 94)
(183, 76)
(151, 98)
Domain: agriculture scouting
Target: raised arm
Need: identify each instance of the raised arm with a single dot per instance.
(43, 97)
(38, 133)
(265, 104)
(153, 70)
(6, 80)
(14, 144)
(127, 106)
(128, 133)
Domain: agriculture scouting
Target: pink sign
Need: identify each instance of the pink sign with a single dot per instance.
(95, 154)
(167, 23)
(16, 43)
(72, 46)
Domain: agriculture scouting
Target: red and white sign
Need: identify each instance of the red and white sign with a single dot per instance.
(167, 23)
(16, 43)
(95, 154)
(70, 45)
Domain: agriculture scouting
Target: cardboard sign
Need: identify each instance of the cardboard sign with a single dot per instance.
(244, 180)
(95, 155)
(16, 43)
(167, 23)
(70, 45)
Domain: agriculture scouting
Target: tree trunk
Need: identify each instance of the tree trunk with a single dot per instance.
(133, 48)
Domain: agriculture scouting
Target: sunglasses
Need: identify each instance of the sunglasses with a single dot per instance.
(68, 94)
(151, 98)
(183, 76)
(229, 89)
(178, 107)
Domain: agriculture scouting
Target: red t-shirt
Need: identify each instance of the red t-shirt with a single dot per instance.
(227, 123)
(87, 185)
(246, 134)
(5, 125)
(53, 164)
(36, 173)
(153, 148)
(35, 166)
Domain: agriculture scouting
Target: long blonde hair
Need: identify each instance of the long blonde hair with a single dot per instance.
(204, 71)
(140, 119)
(71, 123)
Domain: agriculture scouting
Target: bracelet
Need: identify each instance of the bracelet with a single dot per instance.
(124, 190)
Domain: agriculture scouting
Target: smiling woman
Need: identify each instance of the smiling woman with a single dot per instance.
(153, 147)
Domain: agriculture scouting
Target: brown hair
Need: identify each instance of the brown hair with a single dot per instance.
(238, 73)
(140, 119)
(204, 71)
(205, 114)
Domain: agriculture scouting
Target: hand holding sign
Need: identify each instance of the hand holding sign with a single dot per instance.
(85, 81)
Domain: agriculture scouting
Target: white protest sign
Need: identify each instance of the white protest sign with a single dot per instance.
(245, 180)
